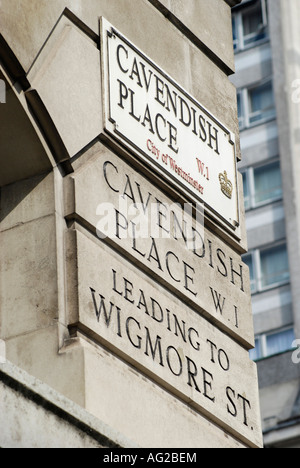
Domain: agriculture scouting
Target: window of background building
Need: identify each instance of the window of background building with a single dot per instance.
(268, 267)
(262, 185)
(256, 104)
(272, 343)
(250, 25)
(261, 103)
(274, 266)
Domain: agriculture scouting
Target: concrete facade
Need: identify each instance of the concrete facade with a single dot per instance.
(149, 338)
(35, 416)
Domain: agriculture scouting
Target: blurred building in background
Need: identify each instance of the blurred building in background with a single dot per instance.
(267, 49)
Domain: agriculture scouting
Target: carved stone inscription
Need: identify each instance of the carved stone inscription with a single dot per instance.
(158, 334)
(119, 205)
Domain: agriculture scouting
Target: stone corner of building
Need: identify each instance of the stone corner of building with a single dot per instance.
(72, 418)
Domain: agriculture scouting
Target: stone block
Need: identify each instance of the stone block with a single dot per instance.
(213, 91)
(41, 16)
(26, 201)
(36, 416)
(38, 353)
(28, 277)
(200, 18)
(137, 319)
(143, 411)
(67, 76)
(194, 265)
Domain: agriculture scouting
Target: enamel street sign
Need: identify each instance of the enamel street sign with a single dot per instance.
(161, 124)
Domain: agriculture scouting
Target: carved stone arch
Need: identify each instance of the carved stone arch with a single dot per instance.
(29, 145)
(23, 154)
(58, 98)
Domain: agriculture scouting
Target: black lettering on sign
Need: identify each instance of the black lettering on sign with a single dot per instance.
(238, 404)
(154, 347)
(219, 301)
(172, 224)
(98, 309)
(219, 355)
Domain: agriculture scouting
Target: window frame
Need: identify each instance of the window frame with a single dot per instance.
(249, 174)
(239, 43)
(262, 339)
(257, 281)
(267, 201)
(245, 104)
(262, 113)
